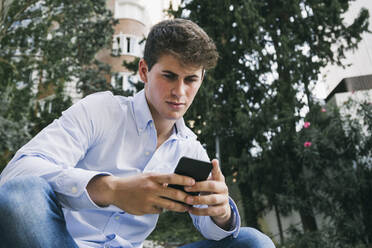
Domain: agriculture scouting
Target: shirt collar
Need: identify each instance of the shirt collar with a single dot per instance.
(143, 117)
(142, 114)
(182, 130)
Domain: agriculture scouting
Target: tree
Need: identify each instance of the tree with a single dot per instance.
(14, 128)
(335, 157)
(271, 52)
(43, 46)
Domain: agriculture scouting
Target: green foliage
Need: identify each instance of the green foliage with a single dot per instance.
(175, 229)
(44, 45)
(337, 172)
(271, 53)
(50, 110)
(14, 127)
(313, 239)
(325, 238)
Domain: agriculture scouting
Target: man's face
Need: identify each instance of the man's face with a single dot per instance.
(170, 87)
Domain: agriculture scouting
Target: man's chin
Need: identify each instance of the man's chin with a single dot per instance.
(174, 116)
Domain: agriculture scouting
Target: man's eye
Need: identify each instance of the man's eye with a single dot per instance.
(169, 76)
(190, 80)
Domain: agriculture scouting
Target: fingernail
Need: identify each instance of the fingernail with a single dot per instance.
(187, 188)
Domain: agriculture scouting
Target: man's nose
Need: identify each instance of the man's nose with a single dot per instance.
(179, 88)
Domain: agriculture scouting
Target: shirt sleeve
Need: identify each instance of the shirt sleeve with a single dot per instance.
(54, 153)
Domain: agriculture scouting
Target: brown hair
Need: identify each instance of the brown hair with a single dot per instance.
(183, 39)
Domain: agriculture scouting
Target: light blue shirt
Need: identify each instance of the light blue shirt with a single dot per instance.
(115, 135)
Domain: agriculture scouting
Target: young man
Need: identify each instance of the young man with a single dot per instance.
(98, 176)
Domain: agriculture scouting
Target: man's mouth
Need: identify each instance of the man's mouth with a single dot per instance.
(175, 105)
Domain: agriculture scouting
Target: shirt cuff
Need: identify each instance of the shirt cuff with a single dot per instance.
(81, 200)
(212, 231)
(70, 187)
(235, 223)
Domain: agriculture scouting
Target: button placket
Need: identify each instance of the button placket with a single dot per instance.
(112, 226)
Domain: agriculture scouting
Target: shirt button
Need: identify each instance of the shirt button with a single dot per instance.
(140, 129)
(117, 217)
(74, 190)
(147, 153)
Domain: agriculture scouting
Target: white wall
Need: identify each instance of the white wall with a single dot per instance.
(270, 225)
(361, 59)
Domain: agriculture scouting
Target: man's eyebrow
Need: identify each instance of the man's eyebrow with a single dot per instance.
(175, 74)
(192, 76)
(170, 72)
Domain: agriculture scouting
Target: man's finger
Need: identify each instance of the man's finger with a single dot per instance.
(166, 179)
(210, 211)
(171, 205)
(157, 210)
(173, 194)
(211, 200)
(208, 186)
(216, 171)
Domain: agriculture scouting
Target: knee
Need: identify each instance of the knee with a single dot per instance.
(252, 238)
(22, 192)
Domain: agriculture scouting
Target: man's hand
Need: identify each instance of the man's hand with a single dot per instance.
(215, 194)
(140, 194)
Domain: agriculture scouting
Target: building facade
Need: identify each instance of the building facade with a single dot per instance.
(359, 62)
(135, 18)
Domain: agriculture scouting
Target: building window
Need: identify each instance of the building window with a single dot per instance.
(128, 45)
(124, 44)
(124, 81)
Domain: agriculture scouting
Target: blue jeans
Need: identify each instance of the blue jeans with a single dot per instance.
(247, 238)
(30, 216)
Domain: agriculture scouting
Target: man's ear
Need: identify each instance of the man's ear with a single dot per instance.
(203, 75)
(143, 69)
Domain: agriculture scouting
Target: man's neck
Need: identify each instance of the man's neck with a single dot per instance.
(163, 131)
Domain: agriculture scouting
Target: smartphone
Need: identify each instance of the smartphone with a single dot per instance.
(197, 169)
